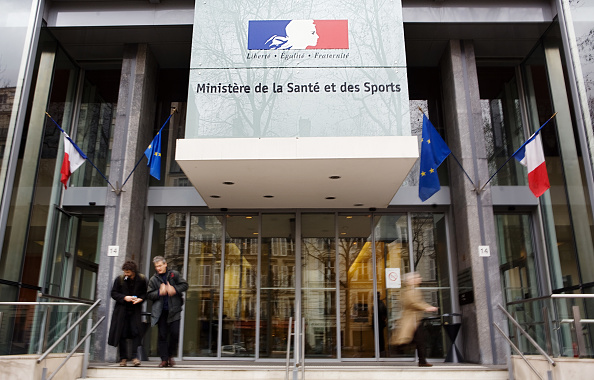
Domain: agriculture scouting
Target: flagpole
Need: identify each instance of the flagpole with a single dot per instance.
(455, 158)
(139, 161)
(510, 157)
(87, 158)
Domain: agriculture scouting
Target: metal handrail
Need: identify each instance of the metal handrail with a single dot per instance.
(69, 329)
(577, 320)
(517, 350)
(300, 362)
(512, 319)
(44, 372)
(70, 299)
(39, 303)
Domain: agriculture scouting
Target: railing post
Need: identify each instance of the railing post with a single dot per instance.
(288, 349)
(545, 315)
(302, 348)
(43, 329)
(579, 334)
(87, 349)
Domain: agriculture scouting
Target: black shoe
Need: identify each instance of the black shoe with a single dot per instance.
(163, 364)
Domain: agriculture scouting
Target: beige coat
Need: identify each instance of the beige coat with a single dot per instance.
(413, 306)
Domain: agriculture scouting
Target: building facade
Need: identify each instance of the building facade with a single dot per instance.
(289, 177)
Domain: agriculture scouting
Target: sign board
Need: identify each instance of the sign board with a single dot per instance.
(465, 289)
(484, 251)
(393, 279)
(113, 250)
(305, 69)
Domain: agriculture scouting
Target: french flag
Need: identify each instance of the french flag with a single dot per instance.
(531, 155)
(298, 34)
(73, 159)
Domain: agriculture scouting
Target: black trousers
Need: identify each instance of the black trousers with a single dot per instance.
(168, 336)
(419, 342)
(130, 331)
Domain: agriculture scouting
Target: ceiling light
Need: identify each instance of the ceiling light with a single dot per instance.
(228, 183)
(334, 177)
(330, 197)
(358, 204)
(268, 196)
(215, 196)
(249, 217)
(349, 217)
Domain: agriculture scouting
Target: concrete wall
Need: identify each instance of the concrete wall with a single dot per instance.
(473, 212)
(565, 368)
(25, 367)
(125, 213)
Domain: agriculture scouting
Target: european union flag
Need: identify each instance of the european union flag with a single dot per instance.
(433, 151)
(153, 153)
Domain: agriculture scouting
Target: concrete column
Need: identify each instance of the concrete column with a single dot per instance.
(473, 214)
(125, 214)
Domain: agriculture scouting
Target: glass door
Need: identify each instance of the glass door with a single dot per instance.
(239, 286)
(356, 270)
(392, 253)
(246, 272)
(277, 283)
(204, 280)
(318, 288)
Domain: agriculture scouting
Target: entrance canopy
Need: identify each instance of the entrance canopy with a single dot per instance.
(305, 172)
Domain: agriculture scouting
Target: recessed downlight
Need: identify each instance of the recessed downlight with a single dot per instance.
(330, 197)
(215, 196)
(358, 204)
(228, 183)
(334, 177)
(268, 196)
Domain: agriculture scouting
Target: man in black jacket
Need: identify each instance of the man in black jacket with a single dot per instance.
(129, 291)
(165, 289)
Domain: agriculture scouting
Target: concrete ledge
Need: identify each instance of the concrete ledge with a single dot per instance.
(313, 372)
(25, 367)
(565, 368)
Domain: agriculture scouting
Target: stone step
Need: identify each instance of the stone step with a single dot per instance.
(342, 371)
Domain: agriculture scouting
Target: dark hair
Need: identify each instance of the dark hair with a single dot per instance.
(129, 265)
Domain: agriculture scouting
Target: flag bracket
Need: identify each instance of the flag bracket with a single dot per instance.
(117, 189)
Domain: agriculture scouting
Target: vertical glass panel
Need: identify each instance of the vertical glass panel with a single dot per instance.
(240, 290)
(96, 120)
(37, 186)
(502, 123)
(169, 232)
(277, 283)
(425, 93)
(318, 256)
(565, 207)
(58, 261)
(392, 252)
(356, 286)
(430, 260)
(516, 257)
(172, 93)
(583, 19)
(86, 256)
(14, 21)
(204, 280)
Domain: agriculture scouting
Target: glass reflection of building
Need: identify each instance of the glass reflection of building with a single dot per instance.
(251, 269)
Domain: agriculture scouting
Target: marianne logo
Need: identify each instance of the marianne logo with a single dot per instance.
(298, 34)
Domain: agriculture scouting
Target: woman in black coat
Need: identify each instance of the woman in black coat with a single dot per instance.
(129, 291)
